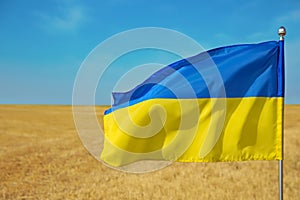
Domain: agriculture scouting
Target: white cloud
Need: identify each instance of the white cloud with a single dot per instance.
(293, 16)
(292, 69)
(223, 39)
(68, 18)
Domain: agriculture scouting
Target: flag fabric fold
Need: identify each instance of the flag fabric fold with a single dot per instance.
(225, 104)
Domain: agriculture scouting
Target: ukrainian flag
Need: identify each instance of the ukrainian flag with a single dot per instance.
(225, 104)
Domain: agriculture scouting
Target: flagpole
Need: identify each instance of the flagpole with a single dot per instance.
(281, 33)
(280, 171)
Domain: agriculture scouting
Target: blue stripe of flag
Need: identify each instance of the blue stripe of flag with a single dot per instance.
(248, 70)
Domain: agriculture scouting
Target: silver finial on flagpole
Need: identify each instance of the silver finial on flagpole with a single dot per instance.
(281, 32)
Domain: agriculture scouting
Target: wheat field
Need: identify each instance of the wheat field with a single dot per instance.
(42, 157)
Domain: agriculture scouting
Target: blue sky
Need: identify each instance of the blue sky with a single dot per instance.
(43, 43)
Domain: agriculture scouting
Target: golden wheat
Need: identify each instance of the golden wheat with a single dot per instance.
(41, 157)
